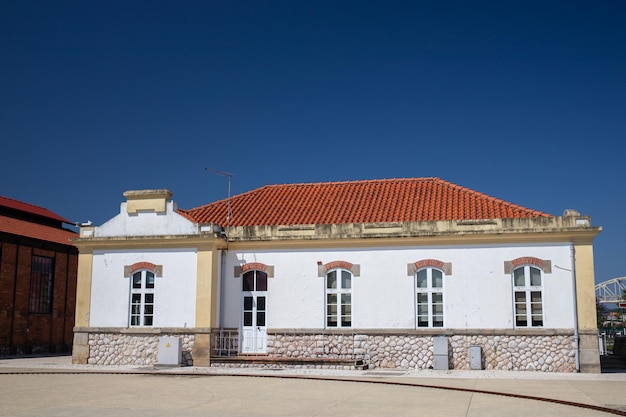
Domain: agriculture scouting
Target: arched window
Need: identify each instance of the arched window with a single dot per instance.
(527, 296)
(339, 298)
(142, 298)
(254, 280)
(255, 294)
(429, 297)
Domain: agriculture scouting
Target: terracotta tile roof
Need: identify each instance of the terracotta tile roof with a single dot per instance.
(31, 209)
(370, 201)
(35, 230)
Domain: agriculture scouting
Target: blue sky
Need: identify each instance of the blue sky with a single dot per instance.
(521, 100)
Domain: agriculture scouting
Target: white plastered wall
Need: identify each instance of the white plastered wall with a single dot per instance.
(175, 299)
(148, 223)
(477, 294)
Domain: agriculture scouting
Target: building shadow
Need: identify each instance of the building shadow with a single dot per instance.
(611, 364)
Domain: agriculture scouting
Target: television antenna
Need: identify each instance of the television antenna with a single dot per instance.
(230, 177)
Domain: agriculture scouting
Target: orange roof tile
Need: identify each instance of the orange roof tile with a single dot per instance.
(30, 208)
(35, 230)
(370, 201)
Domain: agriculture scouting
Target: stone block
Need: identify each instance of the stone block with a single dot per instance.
(80, 349)
(201, 351)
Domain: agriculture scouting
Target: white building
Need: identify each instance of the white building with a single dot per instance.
(401, 273)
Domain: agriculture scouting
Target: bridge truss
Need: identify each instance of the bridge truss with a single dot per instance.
(611, 291)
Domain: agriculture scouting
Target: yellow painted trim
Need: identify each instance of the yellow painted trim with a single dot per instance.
(147, 200)
(206, 288)
(83, 289)
(156, 205)
(585, 287)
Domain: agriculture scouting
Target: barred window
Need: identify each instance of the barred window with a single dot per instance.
(41, 279)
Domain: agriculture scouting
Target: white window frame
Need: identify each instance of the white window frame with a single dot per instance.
(255, 293)
(433, 296)
(527, 307)
(340, 293)
(141, 310)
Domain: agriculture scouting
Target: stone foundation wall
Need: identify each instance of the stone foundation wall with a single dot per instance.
(546, 353)
(517, 353)
(125, 349)
(313, 346)
(555, 353)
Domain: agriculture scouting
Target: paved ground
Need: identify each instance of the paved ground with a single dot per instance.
(52, 386)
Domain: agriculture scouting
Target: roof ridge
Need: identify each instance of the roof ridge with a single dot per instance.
(353, 181)
(33, 209)
(300, 184)
(342, 201)
(224, 200)
(489, 197)
(22, 202)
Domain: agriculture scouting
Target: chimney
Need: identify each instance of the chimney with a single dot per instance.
(147, 201)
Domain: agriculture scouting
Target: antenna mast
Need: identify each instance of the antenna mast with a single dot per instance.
(229, 176)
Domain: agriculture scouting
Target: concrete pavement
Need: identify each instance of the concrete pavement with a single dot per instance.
(52, 386)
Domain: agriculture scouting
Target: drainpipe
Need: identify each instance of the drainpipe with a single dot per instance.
(221, 290)
(576, 336)
(222, 285)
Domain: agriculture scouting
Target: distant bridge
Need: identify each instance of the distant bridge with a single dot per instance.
(611, 291)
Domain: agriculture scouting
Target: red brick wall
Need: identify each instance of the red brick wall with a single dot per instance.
(7, 271)
(24, 332)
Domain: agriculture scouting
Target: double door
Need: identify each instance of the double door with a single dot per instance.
(254, 314)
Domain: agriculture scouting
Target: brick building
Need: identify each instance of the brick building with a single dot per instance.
(38, 267)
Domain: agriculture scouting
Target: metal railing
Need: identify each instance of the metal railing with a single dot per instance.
(310, 345)
(224, 343)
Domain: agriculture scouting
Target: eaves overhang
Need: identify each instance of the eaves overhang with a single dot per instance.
(424, 240)
(570, 229)
(207, 241)
(492, 231)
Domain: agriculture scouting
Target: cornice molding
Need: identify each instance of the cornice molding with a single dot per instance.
(207, 242)
(449, 233)
(585, 237)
